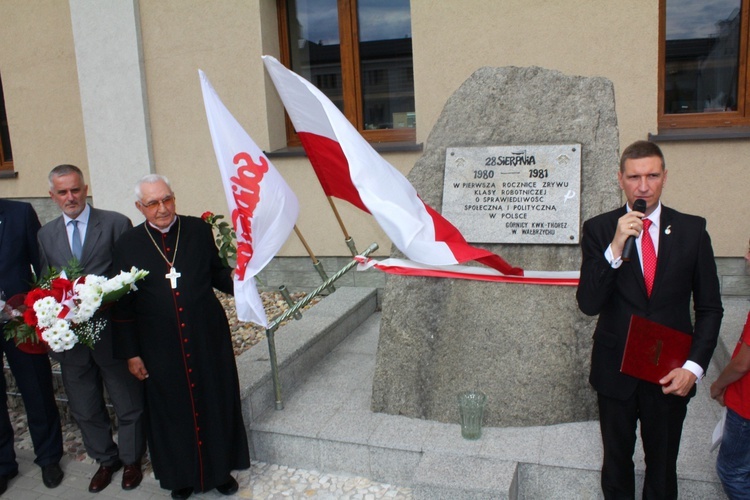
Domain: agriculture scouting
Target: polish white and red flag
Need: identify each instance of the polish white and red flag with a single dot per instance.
(263, 207)
(350, 169)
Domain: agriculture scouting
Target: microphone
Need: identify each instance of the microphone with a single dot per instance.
(628, 250)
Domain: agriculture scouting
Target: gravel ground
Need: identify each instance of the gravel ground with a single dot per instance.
(244, 336)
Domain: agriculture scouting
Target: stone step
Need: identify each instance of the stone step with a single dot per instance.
(441, 476)
(537, 481)
(328, 425)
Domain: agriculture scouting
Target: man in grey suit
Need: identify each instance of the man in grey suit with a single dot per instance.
(89, 234)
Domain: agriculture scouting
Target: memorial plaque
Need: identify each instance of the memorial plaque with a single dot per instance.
(514, 194)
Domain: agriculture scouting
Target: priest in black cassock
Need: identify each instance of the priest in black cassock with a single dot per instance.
(174, 333)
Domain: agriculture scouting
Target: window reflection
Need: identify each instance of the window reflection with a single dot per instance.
(315, 46)
(702, 56)
(386, 64)
(385, 57)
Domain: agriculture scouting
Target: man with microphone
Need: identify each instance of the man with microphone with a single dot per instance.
(671, 262)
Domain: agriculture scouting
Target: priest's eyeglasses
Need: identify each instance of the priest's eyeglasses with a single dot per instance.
(153, 206)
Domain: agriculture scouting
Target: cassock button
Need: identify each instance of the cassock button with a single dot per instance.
(190, 370)
(192, 385)
(187, 355)
(177, 293)
(180, 309)
(164, 235)
(182, 325)
(184, 340)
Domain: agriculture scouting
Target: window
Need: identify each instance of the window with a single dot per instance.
(703, 64)
(358, 53)
(6, 155)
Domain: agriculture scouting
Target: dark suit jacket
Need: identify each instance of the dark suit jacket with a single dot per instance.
(18, 246)
(685, 269)
(102, 231)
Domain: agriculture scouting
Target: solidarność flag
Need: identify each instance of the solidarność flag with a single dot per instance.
(263, 208)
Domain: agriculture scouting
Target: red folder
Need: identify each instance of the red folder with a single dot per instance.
(653, 350)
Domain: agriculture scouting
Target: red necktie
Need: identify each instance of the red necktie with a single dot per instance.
(649, 257)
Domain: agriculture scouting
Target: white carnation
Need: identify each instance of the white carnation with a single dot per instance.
(46, 310)
(55, 335)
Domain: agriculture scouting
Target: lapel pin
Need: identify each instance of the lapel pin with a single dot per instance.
(668, 230)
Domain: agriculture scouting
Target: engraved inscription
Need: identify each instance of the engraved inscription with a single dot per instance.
(514, 194)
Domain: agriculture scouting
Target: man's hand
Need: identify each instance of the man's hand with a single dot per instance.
(628, 225)
(678, 382)
(137, 368)
(718, 394)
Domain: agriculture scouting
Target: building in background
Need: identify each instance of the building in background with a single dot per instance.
(113, 87)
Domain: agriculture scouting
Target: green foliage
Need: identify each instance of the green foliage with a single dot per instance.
(225, 238)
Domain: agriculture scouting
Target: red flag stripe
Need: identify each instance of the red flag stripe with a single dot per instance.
(329, 162)
(444, 273)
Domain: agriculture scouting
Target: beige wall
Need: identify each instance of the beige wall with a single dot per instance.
(710, 178)
(37, 64)
(451, 39)
(226, 40)
(610, 38)
(581, 37)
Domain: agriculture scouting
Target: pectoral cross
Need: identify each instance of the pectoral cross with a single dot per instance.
(172, 276)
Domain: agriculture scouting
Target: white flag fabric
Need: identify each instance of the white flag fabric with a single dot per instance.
(409, 268)
(263, 207)
(350, 169)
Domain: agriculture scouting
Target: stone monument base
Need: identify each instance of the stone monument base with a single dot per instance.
(526, 346)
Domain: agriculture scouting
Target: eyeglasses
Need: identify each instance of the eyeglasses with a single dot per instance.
(153, 206)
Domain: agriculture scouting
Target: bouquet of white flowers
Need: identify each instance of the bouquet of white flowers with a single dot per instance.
(60, 311)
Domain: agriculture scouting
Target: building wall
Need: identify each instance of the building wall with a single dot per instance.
(226, 40)
(43, 104)
(451, 39)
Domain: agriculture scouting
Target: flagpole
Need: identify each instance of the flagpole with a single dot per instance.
(348, 239)
(288, 298)
(293, 311)
(316, 263)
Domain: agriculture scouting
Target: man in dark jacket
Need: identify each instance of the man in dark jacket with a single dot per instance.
(19, 253)
(174, 333)
(679, 248)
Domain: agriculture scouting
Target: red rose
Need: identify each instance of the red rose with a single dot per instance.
(34, 295)
(207, 216)
(61, 286)
(29, 317)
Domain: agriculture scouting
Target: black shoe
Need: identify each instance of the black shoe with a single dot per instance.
(182, 492)
(52, 475)
(4, 478)
(228, 488)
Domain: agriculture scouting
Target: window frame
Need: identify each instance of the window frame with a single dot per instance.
(350, 75)
(5, 166)
(739, 118)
